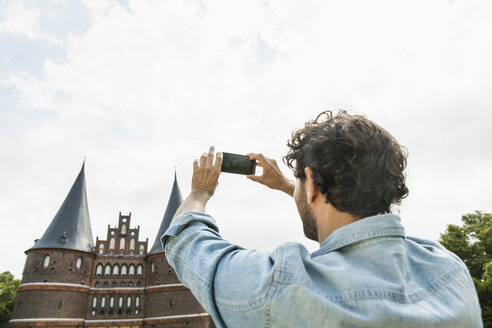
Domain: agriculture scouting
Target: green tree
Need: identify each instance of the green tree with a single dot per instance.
(8, 291)
(472, 242)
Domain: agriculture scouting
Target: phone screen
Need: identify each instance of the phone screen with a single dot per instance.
(238, 164)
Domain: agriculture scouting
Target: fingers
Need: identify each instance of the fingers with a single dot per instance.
(207, 160)
(259, 157)
(218, 161)
(210, 156)
(203, 160)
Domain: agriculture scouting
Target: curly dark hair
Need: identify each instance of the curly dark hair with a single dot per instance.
(357, 165)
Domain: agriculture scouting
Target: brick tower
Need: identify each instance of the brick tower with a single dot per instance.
(70, 282)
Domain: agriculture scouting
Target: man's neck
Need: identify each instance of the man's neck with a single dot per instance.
(328, 219)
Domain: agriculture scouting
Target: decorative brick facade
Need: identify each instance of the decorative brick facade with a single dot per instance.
(118, 282)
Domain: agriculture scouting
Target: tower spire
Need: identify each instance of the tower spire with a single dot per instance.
(172, 205)
(71, 226)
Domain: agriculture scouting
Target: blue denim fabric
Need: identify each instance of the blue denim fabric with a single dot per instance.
(365, 274)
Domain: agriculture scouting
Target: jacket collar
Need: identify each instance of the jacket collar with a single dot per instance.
(366, 228)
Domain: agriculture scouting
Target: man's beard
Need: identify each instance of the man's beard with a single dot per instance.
(307, 217)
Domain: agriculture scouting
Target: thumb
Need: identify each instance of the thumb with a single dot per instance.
(254, 177)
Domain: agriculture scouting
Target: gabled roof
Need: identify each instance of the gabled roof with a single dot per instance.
(174, 201)
(71, 226)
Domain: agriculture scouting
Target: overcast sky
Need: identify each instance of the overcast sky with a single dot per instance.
(141, 86)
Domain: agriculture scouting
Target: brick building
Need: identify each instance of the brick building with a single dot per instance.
(68, 281)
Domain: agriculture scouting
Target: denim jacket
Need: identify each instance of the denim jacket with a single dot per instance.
(365, 274)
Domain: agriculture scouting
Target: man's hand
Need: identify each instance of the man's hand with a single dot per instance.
(272, 177)
(205, 180)
(206, 173)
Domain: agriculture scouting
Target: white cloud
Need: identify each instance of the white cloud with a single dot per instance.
(20, 19)
(153, 83)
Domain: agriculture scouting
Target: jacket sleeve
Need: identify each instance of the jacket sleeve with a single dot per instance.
(231, 283)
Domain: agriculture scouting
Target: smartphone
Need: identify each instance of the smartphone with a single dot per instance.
(238, 164)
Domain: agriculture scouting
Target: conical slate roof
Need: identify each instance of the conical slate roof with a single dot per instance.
(71, 226)
(174, 201)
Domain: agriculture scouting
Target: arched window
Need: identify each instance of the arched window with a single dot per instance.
(137, 301)
(120, 301)
(107, 270)
(131, 271)
(94, 302)
(122, 284)
(152, 266)
(141, 249)
(101, 248)
(122, 244)
(46, 261)
(139, 270)
(99, 269)
(103, 301)
(130, 284)
(132, 244)
(97, 284)
(129, 301)
(111, 302)
(138, 283)
(78, 264)
(123, 229)
(116, 270)
(123, 270)
(112, 242)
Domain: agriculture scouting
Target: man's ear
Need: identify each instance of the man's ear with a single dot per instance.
(312, 191)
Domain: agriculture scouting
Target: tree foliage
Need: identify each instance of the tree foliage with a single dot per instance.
(8, 291)
(472, 242)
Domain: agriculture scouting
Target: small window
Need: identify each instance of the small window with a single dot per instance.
(97, 284)
(132, 244)
(114, 284)
(142, 249)
(46, 261)
(123, 229)
(131, 271)
(152, 266)
(99, 269)
(107, 270)
(94, 302)
(116, 270)
(78, 264)
(111, 302)
(137, 301)
(138, 283)
(129, 301)
(120, 302)
(101, 248)
(105, 284)
(130, 284)
(103, 301)
(112, 243)
(122, 244)
(123, 270)
(139, 270)
(122, 284)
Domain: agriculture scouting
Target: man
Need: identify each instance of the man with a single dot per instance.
(367, 272)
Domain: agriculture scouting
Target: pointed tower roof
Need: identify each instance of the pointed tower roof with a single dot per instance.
(71, 226)
(174, 201)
